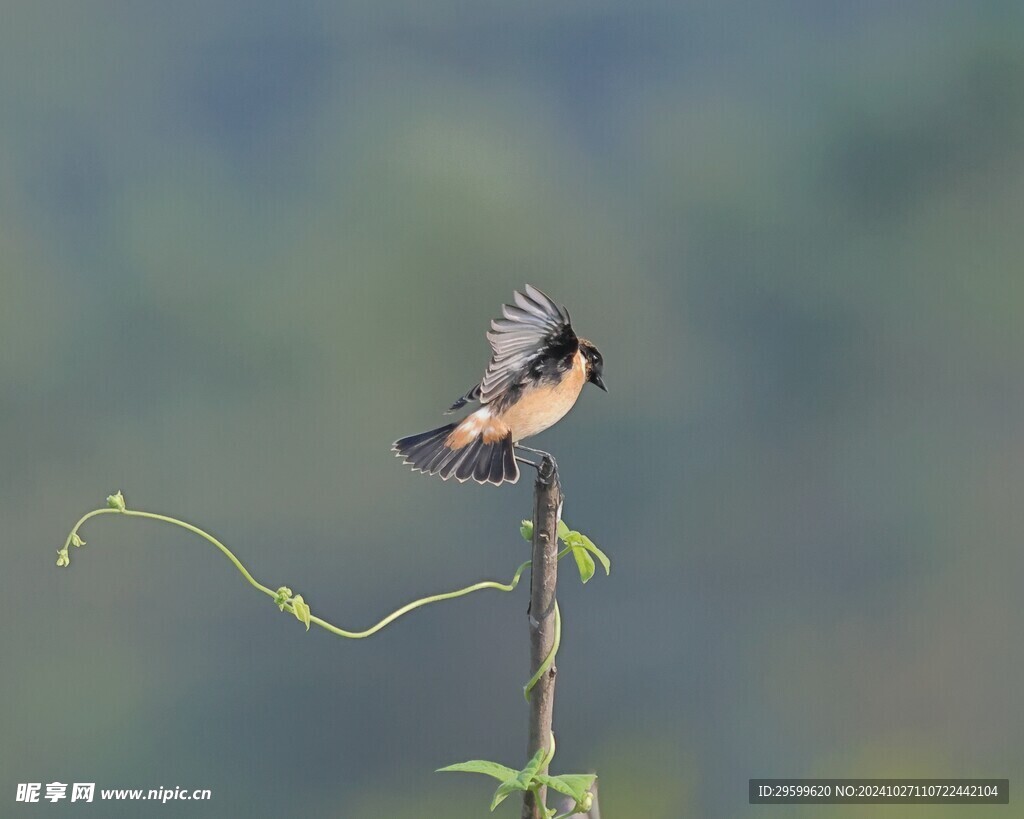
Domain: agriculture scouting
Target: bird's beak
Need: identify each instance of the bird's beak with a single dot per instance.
(598, 381)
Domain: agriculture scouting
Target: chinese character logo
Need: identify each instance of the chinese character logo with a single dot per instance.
(28, 791)
(82, 791)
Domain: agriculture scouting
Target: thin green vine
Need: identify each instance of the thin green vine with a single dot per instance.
(529, 778)
(550, 659)
(283, 596)
(294, 604)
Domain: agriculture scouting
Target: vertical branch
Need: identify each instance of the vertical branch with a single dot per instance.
(547, 507)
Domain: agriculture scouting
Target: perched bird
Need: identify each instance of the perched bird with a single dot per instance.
(537, 371)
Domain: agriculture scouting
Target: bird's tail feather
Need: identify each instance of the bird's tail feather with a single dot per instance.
(429, 452)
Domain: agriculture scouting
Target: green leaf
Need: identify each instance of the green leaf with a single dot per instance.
(522, 780)
(116, 501)
(301, 610)
(505, 789)
(563, 530)
(589, 545)
(482, 766)
(76, 540)
(62, 558)
(526, 530)
(584, 562)
(574, 785)
(511, 780)
(534, 765)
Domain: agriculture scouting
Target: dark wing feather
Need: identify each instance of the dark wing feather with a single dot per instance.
(472, 395)
(534, 336)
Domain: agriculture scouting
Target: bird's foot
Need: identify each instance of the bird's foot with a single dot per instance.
(547, 469)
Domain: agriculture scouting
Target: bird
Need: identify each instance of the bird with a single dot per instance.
(537, 370)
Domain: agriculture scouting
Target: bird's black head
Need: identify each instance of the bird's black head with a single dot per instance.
(594, 363)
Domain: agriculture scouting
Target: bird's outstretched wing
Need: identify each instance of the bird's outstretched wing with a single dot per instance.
(532, 341)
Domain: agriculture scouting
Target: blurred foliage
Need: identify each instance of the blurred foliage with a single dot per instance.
(243, 247)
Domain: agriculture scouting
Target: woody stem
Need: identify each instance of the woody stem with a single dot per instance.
(543, 617)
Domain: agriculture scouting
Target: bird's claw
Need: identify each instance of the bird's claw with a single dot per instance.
(547, 470)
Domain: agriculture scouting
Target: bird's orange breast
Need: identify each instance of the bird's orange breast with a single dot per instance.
(541, 406)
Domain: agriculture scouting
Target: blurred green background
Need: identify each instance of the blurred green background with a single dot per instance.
(246, 245)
